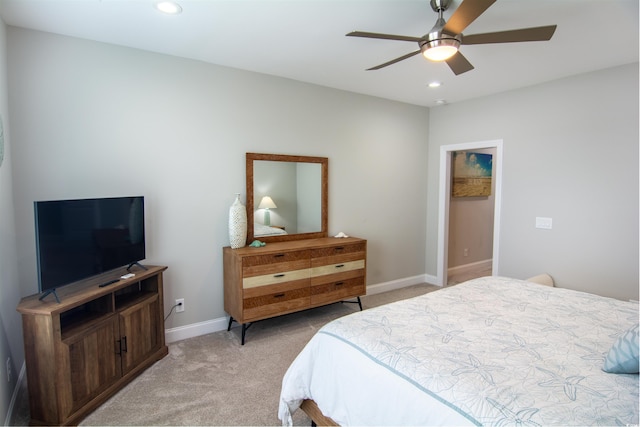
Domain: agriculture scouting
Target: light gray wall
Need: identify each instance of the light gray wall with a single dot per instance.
(10, 329)
(570, 153)
(93, 120)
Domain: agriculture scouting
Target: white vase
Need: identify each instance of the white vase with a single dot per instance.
(237, 224)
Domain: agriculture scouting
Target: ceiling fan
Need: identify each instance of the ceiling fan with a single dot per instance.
(442, 42)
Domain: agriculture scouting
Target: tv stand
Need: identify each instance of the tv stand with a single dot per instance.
(82, 351)
(138, 264)
(50, 291)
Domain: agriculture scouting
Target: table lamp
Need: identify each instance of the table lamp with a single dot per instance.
(266, 203)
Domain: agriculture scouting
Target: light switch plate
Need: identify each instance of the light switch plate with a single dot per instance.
(544, 223)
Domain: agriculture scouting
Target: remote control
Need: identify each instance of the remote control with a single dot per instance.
(110, 282)
(127, 276)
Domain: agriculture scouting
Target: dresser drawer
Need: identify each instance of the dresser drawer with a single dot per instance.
(275, 265)
(276, 258)
(267, 301)
(333, 251)
(336, 258)
(278, 276)
(337, 290)
(322, 269)
(352, 273)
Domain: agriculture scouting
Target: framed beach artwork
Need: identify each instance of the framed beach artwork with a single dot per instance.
(471, 174)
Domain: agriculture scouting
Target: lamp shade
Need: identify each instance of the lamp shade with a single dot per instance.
(266, 203)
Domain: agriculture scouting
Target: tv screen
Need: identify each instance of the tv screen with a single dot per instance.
(77, 239)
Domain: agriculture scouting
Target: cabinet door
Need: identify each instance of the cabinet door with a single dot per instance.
(93, 361)
(140, 329)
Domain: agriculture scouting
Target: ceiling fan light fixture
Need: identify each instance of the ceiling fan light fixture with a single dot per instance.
(440, 49)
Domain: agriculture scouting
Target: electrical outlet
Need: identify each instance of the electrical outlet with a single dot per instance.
(466, 252)
(180, 305)
(9, 370)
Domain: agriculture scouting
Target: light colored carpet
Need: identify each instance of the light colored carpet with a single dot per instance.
(213, 380)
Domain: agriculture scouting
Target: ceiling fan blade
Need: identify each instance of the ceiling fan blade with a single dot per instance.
(459, 64)
(393, 61)
(382, 36)
(532, 34)
(465, 14)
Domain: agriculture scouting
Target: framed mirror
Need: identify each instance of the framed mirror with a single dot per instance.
(287, 197)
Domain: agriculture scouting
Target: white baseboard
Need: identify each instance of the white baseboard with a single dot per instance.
(14, 396)
(487, 263)
(433, 280)
(195, 329)
(214, 325)
(398, 284)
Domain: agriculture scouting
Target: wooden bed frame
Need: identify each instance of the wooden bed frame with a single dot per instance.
(317, 417)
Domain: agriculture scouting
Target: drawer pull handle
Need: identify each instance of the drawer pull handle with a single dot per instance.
(340, 248)
(278, 255)
(279, 275)
(339, 283)
(278, 295)
(339, 265)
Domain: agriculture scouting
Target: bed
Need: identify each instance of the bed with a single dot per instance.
(490, 351)
(261, 230)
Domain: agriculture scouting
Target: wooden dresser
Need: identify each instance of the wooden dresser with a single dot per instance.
(286, 277)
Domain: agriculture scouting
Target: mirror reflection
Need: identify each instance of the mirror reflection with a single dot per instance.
(286, 197)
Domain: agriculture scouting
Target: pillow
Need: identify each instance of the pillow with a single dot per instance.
(622, 358)
(542, 279)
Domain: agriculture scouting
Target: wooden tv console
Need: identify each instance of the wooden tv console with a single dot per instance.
(286, 277)
(81, 351)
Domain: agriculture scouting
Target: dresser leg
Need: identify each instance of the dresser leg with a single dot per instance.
(244, 331)
(245, 326)
(359, 302)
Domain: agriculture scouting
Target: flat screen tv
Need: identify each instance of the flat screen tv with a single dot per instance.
(77, 239)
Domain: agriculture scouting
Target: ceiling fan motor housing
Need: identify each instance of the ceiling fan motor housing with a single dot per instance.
(437, 37)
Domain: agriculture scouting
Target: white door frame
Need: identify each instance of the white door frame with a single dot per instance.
(443, 203)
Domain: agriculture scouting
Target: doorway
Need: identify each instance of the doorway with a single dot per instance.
(446, 153)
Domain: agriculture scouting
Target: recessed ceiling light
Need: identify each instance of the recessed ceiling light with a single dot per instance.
(169, 7)
(441, 101)
(435, 84)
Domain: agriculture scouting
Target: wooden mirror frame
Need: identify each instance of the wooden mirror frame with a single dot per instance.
(324, 163)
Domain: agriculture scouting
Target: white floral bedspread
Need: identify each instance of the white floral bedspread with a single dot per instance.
(494, 351)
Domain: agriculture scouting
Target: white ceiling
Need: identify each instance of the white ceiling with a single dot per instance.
(305, 39)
